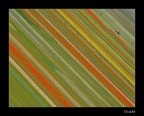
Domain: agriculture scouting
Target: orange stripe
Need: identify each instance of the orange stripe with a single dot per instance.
(38, 75)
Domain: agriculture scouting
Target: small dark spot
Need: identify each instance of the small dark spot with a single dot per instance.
(118, 33)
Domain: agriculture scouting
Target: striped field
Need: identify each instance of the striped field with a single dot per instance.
(71, 58)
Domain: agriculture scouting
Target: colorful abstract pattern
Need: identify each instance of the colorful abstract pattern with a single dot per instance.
(71, 58)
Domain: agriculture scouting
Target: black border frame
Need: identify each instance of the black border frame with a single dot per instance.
(4, 49)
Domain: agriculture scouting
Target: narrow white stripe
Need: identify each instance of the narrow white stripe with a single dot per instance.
(31, 82)
(25, 29)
